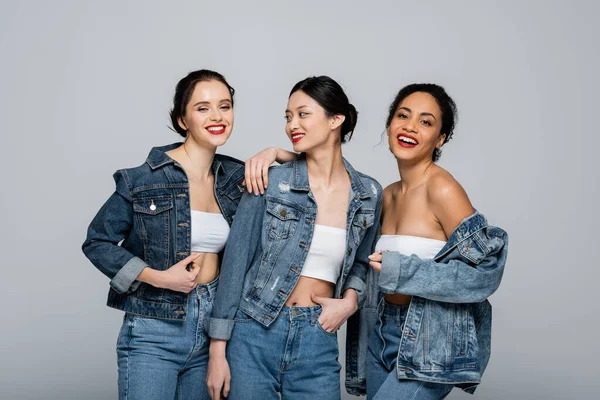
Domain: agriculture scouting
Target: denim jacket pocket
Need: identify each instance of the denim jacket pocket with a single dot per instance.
(363, 220)
(281, 219)
(153, 219)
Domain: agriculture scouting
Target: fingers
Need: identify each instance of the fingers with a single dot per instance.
(317, 299)
(248, 176)
(189, 259)
(265, 175)
(226, 385)
(376, 265)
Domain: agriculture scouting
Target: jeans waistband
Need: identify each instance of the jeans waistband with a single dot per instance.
(392, 310)
(301, 313)
(206, 289)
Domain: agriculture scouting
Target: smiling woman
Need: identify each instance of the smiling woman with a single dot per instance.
(158, 239)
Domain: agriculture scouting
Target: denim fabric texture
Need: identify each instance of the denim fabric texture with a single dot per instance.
(146, 222)
(270, 238)
(447, 333)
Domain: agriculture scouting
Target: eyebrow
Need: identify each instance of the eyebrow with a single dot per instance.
(208, 102)
(297, 108)
(425, 113)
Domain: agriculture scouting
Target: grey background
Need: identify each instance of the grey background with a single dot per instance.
(85, 88)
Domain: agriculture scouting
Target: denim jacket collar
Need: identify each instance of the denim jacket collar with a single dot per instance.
(300, 177)
(158, 158)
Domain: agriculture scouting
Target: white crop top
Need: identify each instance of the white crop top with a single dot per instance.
(209, 232)
(424, 248)
(326, 254)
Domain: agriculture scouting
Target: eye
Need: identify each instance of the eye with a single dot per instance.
(302, 114)
(225, 107)
(287, 118)
(203, 109)
(425, 122)
(402, 116)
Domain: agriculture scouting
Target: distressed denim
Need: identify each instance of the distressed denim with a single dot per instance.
(447, 334)
(146, 222)
(166, 359)
(382, 380)
(270, 238)
(294, 356)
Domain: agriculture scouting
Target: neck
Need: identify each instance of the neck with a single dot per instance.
(199, 158)
(325, 167)
(413, 174)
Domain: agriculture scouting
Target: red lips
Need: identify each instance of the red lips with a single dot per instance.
(218, 129)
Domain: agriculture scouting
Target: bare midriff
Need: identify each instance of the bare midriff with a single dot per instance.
(209, 267)
(301, 295)
(397, 299)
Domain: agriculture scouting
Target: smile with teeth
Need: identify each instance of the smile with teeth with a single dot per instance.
(296, 137)
(406, 141)
(216, 129)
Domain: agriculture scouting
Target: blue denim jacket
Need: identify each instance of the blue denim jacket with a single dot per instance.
(270, 238)
(447, 333)
(150, 213)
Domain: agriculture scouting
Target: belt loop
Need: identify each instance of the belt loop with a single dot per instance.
(314, 315)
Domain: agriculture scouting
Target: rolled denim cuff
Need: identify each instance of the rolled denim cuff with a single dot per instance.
(390, 271)
(353, 282)
(125, 280)
(220, 328)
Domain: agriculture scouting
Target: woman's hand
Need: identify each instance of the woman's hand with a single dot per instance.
(336, 311)
(178, 278)
(375, 260)
(218, 376)
(257, 170)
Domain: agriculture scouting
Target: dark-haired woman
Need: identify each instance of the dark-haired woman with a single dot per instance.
(296, 264)
(436, 263)
(158, 239)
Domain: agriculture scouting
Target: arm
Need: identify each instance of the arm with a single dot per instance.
(358, 274)
(242, 244)
(111, 225)
(457, 281)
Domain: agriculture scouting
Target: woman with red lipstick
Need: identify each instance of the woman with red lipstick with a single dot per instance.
(159, 238)
(436, 263)
(294, 271)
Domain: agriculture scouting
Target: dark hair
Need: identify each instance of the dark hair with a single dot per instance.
(444, 101)
(330, 95)
(184, 90)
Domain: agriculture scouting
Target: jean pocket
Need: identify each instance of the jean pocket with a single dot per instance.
(320, 327)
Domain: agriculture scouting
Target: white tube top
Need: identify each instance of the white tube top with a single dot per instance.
(326, 254)
(209, 232)
(424, 248)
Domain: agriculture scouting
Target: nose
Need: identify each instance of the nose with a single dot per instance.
(293, 124)
(410, 125)
(215, 115)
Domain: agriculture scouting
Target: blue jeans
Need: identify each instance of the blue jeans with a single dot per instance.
(294, 356)
(166, 359)
(382, 378)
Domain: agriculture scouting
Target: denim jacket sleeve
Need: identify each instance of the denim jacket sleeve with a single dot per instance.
(469, 274)
(358, 274)
(112, 224)
(243, 242)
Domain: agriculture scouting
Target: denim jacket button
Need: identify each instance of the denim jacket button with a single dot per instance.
(349, 250)
(364, 223)
(283, 212)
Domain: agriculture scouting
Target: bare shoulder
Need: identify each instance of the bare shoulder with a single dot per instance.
(448, 199)
(389, 191)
